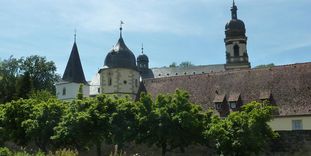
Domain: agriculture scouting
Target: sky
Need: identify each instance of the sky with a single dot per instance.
(279, 31)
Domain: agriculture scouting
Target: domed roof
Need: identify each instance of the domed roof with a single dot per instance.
(120, 56)
(235, 24)
(142, 57)
(235, 27)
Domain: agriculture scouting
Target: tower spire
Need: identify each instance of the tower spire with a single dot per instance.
(121, 22)
(234, 9)
(142, 48)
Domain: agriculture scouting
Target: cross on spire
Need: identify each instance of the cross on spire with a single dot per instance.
(75, 35)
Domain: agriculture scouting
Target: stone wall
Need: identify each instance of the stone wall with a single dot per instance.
(291, 143)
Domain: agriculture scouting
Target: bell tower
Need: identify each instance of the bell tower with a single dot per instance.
(236, 43)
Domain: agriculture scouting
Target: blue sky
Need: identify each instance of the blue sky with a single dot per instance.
(279, 31)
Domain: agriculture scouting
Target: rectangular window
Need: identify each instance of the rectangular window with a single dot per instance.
(64, 91)
(109, 81)
(297, 124)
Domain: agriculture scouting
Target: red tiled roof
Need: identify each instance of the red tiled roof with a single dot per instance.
(289, 85)
(219, 98)
(234, 96)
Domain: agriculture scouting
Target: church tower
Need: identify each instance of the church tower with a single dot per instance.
(68, 87)
(120, 74)
(236, 42)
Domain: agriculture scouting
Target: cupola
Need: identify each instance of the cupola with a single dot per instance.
(120, 56)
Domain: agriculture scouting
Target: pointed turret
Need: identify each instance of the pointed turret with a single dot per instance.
(74, 71)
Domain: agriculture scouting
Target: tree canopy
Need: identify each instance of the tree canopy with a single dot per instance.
(245, 132)
(265, 65)
(20, 77)
(167, 121)
(183, 64)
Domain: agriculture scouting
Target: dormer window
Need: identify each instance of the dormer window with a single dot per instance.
(221, 105)
(218, 105)
(232, 104)
(219, 100)
(266, 97)
(234, 101)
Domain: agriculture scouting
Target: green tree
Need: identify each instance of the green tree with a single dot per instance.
(9, 73)
(185, 64)
(80, 92)
(42, 72)
(24, 86)
(174, 122)
(85, 123)
(124, 122)
(265, 65)
(242, 133)
(18, 77)
(44, 117)
(42, 95)
(173, 65)
(12, 116)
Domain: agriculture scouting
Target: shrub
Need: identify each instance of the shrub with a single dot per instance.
(5, 151)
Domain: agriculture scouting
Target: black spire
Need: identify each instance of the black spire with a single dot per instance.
(234, 9)
(142, 48)
(74, 71)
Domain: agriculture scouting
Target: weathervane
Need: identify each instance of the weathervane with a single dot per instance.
(121, 22)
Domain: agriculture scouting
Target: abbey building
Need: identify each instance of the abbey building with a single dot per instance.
(221, 87)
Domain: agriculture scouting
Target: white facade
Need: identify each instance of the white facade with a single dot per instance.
(95, 87)
(69, 90)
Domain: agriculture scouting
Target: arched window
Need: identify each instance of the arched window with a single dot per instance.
(64, 91)
(109, 81)
(236, 50)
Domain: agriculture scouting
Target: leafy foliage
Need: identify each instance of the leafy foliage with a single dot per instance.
(19, 77)
(80, 92)
(183, 64)
(170, 122)
(173, 121)
(85, 123)
(242, 133)
(44, 117)
(265, 65)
